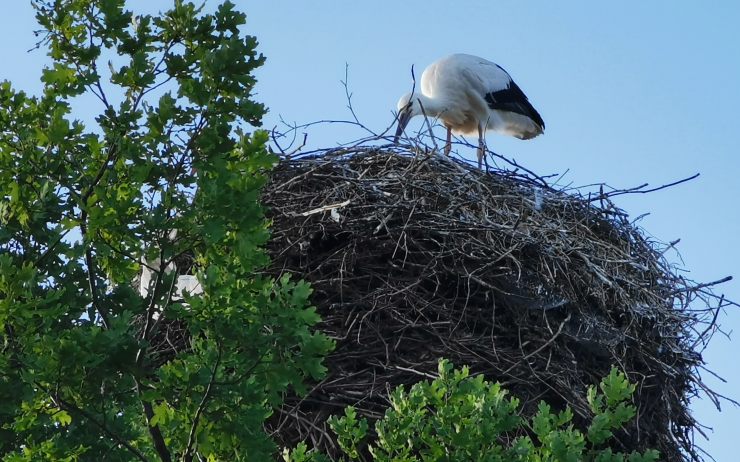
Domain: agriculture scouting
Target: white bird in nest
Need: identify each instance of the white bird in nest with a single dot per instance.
(471, 95)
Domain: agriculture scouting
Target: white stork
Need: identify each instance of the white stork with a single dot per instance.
(471, 95)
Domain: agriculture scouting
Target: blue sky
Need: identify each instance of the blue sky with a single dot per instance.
(631, 92)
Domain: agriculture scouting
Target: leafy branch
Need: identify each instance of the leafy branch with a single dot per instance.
(460, 417)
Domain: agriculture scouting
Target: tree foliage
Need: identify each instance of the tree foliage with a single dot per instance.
(456, 417)
(163, 170)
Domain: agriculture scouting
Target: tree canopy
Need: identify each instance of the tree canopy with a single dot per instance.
(165, 170)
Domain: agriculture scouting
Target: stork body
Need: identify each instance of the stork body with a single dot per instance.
(471, 95)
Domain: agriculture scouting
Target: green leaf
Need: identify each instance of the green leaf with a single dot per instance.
(61, 417)
(162, 414)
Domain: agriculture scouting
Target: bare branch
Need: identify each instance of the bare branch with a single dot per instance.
(154, 432)
(641, 189)
(188, 454)
(71, 407)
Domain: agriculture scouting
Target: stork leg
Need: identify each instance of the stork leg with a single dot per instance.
(448, 145)
(481, 146)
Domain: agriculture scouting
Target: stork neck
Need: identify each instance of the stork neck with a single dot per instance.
(432, 106)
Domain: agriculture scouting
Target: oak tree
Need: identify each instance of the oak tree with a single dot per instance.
(92, 366)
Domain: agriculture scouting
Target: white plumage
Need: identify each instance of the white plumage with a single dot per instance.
(471, 95)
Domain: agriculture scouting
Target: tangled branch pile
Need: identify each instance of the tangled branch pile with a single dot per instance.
(417, 257)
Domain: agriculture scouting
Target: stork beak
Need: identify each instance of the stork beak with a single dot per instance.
(403, 120)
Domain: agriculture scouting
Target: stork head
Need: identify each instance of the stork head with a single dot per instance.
(408, 106)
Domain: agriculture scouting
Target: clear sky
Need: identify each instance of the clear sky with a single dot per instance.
(631, 92)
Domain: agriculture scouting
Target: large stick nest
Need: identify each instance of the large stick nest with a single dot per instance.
(416, 258)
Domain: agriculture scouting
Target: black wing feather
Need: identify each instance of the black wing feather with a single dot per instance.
(513, 99)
